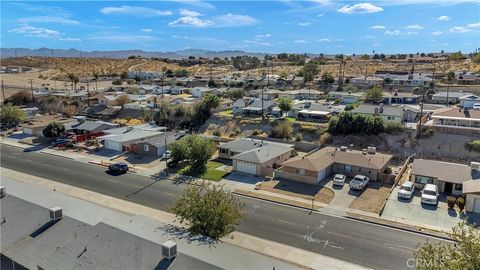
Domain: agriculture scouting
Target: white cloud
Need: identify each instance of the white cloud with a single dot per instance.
(48, 19)
(392, 33)
(360, 8)
(424, 2)
(324, 40)
(189, 13)
(137, 39)
(197, 3)
(137, 11)
(258, 43)
(32, 31)
(473, 25)
(231, 20)
(304, 23)
(301, 41)
(459, 29)
(70, 39)
(191, 21)
(263, 36)
(320, 15)
(322, 2)
(443, 18)
(436, 33)
(415, 26)
(146, 30)
(378, 27)
(412, 33)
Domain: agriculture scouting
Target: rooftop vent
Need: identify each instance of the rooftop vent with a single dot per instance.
(55, 213)
(343, 148)
(371, 150)
(169, 250)
(364, 151)
(475, 165)
(3, 191)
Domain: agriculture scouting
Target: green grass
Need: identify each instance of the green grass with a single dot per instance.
(291, 119)
(226, 112)
(209, 173)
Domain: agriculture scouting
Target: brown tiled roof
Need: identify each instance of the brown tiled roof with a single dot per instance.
(443, 171)
(325, 157)
(471, 186)
(457, 113)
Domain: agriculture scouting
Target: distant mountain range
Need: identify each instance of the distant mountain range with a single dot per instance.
(48, 52)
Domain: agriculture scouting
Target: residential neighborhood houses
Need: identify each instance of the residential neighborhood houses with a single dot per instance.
(343, 147)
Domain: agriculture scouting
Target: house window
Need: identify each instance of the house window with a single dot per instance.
(458, 187)
(423, 179)
(300, 171)
(348, 168)
(146, 148)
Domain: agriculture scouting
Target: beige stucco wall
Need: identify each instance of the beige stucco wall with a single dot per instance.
(470, 200)
(370, 173)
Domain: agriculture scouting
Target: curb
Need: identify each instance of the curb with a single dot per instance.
(268, 200)
(431, 234)
(52, 154)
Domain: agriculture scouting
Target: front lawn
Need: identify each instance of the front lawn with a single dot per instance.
(226, 113)
(209, 172)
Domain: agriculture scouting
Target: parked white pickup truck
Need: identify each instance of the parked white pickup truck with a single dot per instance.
(359, 182)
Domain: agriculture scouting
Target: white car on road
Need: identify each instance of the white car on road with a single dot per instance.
(430, 194)
(339, 180)
(359, 182)
(406, 191)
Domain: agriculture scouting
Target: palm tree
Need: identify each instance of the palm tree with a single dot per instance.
(74, 79)
(95, 77)
(450, 78)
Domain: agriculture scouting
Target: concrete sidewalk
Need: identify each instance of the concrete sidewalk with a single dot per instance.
(92, 207)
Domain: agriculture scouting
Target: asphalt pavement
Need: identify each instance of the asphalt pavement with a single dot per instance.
(366, 244)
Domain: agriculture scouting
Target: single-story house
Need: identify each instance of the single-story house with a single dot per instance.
(127, 138)
(302, 94)
(254, 106)
(399, 98)
(456, 120)
(468, 101)
(156, 146)
(316, 166)
(416, 79)
(225, 104)
(366, 81)
(267, 94)
(345, 97)
(315, 111)
(201, 91)
(449, 177)
(36, 125)
(471, 189)
(453, 97)
(387, 113)
(412, 111)
(93, 126)
(255, 156)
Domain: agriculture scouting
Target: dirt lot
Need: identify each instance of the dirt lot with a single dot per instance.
(371, 199)
(300, 190)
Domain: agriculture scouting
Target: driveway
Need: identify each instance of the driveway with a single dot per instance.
(414, 211)
(343, 197)
(241, 180)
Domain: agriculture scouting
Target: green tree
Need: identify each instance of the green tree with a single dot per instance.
(450, 78)
(350, 88)
(209, 210)
(73, 79)
(309, 71)
(122, 100)
(194, 149)
(235, 94)
(11, 115)
(124, 75)
(20, 98)
(374, 94)
(212, 83)
(327, 78)
(53, 130)
(282, 130)
(285, 104)
(464, 253)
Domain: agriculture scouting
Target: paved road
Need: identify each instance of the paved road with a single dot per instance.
(357, 242)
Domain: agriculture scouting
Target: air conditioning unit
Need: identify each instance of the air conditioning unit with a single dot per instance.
(371, 149)
(55, 213)
(475, 165)
(343, 148)
(3, 192)
(169, 250)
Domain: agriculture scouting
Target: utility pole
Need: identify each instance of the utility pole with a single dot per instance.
(31, 89)
(88, 93)
(3, 92)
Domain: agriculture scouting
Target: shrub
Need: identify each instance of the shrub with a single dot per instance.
(391, 127)
(308, 128)
(451, 202)
(349, 107)
(473, 145)
(282, 130)
(325, 138)
(460, 203)
(427, 132)
(257, 132)
(298, 137)
(117, 82)
(217, 132)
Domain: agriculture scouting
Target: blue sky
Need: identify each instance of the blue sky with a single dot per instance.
(319, 26)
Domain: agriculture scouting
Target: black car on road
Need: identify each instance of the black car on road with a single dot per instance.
(118, 167)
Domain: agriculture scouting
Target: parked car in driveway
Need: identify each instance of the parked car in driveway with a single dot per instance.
(339, 180)
(60, 142)
(430, 194)
(118, 167)
(406, 191)
(359, 182)
(166, 154)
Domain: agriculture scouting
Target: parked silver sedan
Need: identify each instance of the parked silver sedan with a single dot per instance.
(339, 180)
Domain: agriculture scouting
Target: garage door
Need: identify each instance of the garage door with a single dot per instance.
(28, 131)
(113, 146)
(321, 175)
(476, 206)
(246, 167)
